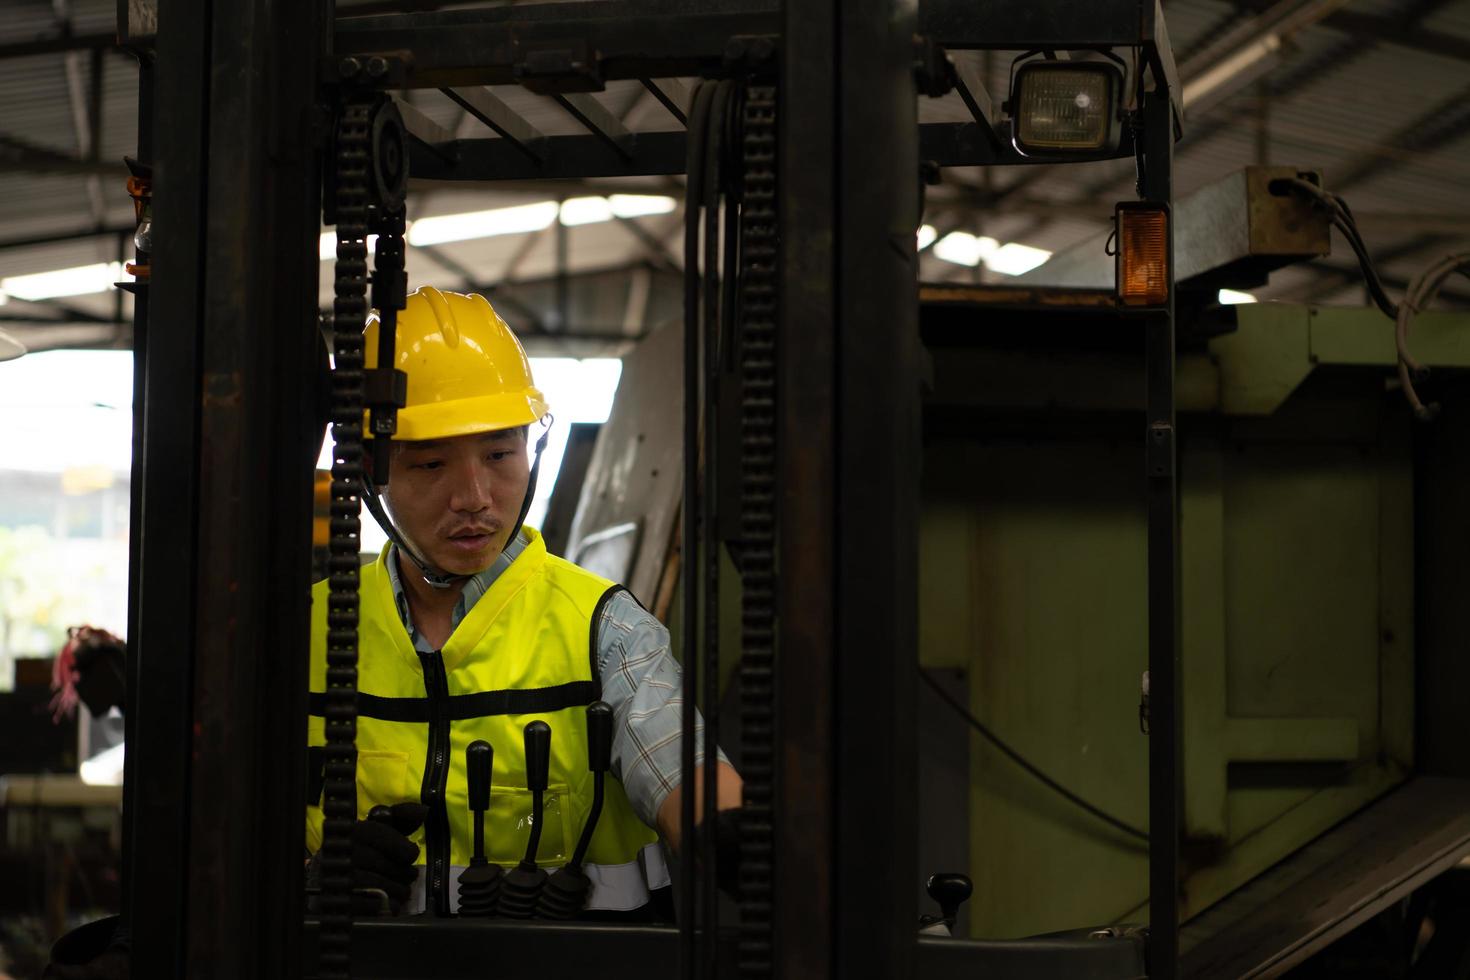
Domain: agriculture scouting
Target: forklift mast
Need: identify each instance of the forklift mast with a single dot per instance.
(804, 159)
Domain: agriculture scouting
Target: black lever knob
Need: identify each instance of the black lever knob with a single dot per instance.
(538, 755)
(949, 889)
(479, 760)
(599, 736)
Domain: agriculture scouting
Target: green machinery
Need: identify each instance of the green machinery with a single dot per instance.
(1320, 623)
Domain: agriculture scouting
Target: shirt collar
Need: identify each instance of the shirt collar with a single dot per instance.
(474, 587)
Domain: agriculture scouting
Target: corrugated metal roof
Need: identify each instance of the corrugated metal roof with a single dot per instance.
(1356, 95)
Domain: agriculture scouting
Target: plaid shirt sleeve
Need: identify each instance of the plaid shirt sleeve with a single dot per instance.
(642, 682)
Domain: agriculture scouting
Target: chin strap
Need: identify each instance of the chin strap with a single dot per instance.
(435, 578)
(531, 483)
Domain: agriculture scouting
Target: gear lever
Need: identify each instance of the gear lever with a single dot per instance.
(479, 884)
(566, 890)
(949, 890)
(522, 884)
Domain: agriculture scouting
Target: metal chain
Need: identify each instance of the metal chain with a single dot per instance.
(758, 245)
(349, 313)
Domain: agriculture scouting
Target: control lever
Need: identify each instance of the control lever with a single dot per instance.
(949, 890)
(521, 885)
(566, 890)
(479, 884)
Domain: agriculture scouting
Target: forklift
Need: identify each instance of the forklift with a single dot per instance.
(803, 346)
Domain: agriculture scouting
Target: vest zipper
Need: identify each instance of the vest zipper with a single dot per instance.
(436, 777)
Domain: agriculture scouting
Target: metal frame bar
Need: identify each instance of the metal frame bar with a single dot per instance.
(877, 562)
(1165, 781)
(213, 813)
(23, 156)
(598, 121)
(485, 106)
(648, 153)
(806, 615)
(160, 682)
(60, 44)
(672, 95)
(225, 648)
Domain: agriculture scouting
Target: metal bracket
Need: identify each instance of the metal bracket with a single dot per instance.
(386, 390)
(751, 51)
(380, 71)
(933, 69)
(1160, 453)
(561, 69)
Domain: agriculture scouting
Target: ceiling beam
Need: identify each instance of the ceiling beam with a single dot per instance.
(1384, 29)
(59, 44)
(19, 155)
(85, 103)
(1443, 123)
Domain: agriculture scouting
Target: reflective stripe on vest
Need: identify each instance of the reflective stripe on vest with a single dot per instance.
(525, 650)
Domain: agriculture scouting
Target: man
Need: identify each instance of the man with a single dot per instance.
(469, 630)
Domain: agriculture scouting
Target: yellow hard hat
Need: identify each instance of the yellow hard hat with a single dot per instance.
(467, 372)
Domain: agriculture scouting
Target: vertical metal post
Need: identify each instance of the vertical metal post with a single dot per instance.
(849, 532)
(258, 443)
(1165, 726)
(160, 640)
(135, 485)
(223, 570)
(877, 498)
(801, 926)
(563, 274)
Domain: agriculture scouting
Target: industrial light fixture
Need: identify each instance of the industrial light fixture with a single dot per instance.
(482, 224)
(76, 281)
(963, 248)
(1230, 297)
(1143, 254)
(1066, 110)
(640, 205)
(926, 236)
(589, 210)
(518, 219)
(585, 211)
(1014, 259)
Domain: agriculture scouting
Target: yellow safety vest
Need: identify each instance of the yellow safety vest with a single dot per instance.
(526, 650)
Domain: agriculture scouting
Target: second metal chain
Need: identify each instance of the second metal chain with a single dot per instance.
(758, 253)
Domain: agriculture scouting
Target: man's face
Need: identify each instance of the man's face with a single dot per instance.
(456, 500)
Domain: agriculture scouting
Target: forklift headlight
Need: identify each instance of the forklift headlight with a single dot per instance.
(1066, 109)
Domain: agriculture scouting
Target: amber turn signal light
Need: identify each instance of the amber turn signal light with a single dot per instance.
(1143, 254)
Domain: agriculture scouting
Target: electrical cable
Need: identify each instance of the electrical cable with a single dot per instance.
(1020, 760)
(1420, 292)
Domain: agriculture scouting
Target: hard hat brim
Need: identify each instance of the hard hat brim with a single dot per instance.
(468, 416)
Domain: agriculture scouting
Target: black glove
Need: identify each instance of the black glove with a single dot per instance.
(382, 854)
(727, 849)
(96, 951)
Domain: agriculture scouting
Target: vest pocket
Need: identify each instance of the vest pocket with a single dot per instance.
(382, 777)
(508, 825)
